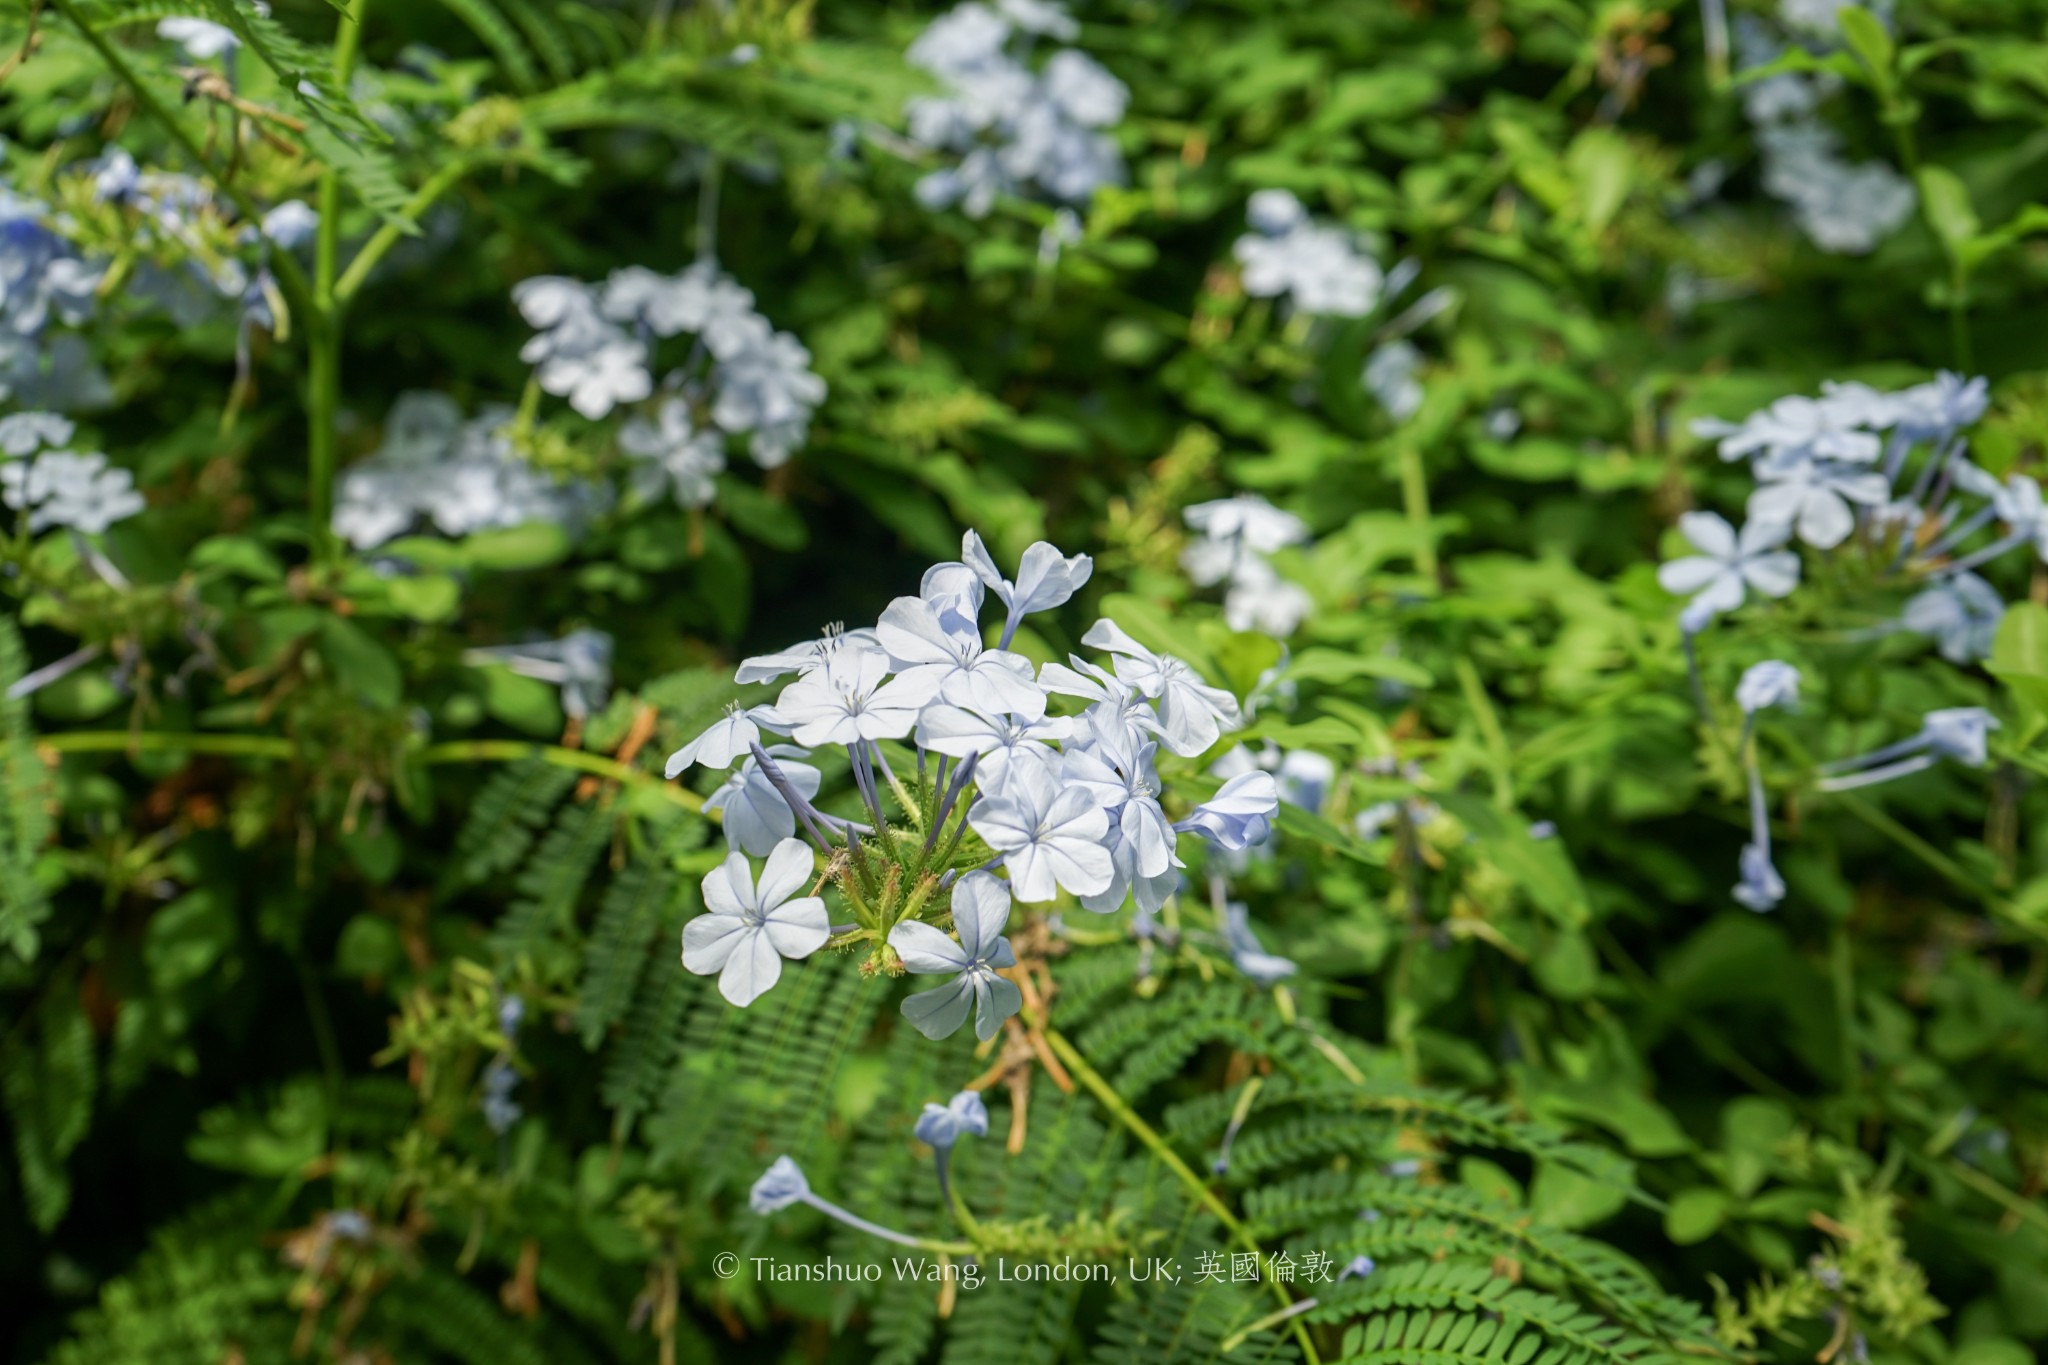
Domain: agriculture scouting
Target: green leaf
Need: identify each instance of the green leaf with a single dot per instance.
(425, 597)
(2019, 655)
(526, 704)
(536, 545)
(1948, 206)
(1695, 1214)
(187, 937)
(1865, 34)
(1539, 867)
(360, 662)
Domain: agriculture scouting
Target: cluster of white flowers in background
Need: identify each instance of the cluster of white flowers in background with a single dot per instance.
(1319, 269)
(44, 281)
(1235, 537)
(1061, 803)
(1887, 476)
(595, 347)
(458, 475)
(1889, 472)
(1015, 129)
(1843, 207)
(52, 487)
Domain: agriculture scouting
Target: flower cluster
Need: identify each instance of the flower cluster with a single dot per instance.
(1008, 801)
(1237, 536)
(1887, 472)
(1319, 269)
(1013, 128)
(55, 487)
(1843, 207)
(43, 280)
(595, 347)
(458, 475)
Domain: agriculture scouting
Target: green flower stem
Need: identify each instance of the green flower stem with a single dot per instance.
(1415, 502)
(457, 751)
(1940, 862)
(323, 329)
(387, 235)
(1071, 1058)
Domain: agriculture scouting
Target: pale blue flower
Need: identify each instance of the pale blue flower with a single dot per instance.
(981, 908)
(291, 224)
(731, 736)
(942, 1125)
(753, 813)
(935, 662)
(996, 742)
(1730, 564)
(747, 929)
(1045, 577)
(1770, 683)
(1083, 91)
(24, 433)
(579, 663)
(1813, 497)
(1275, 213)
(202, 39)
(847, 701)
(1761, 888)
(804, 658)
(1319, 269)
(1192, 714)
(781, 1185)
(1959, 733)
(1240, 814)
(765, 384)
(1050, 837)
(1390, 377)
(1246, 951)
(1960, 613)
(1942, 406)
(62, 488)
(1248, 520)
(672, 455)
(1795, 428)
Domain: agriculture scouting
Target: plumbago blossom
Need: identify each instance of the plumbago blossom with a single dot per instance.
(1010, 801)
(1235, 537)
(1015, 129)
(50, 487)
(1885, 477)
(595, 346)
(1319, 269)
(457, 475)
(1844, 208)
(1881, 484)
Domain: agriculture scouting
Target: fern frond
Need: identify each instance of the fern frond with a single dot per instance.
(551, 883)
(48, 1079)
(504, 819)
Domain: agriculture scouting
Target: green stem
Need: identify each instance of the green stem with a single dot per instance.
(1940, 862)
(323, 328)
(1490, 731)
(1842, 972)
(1071, 1058)
(323, 409)
(388, 233)
(1415, 501)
